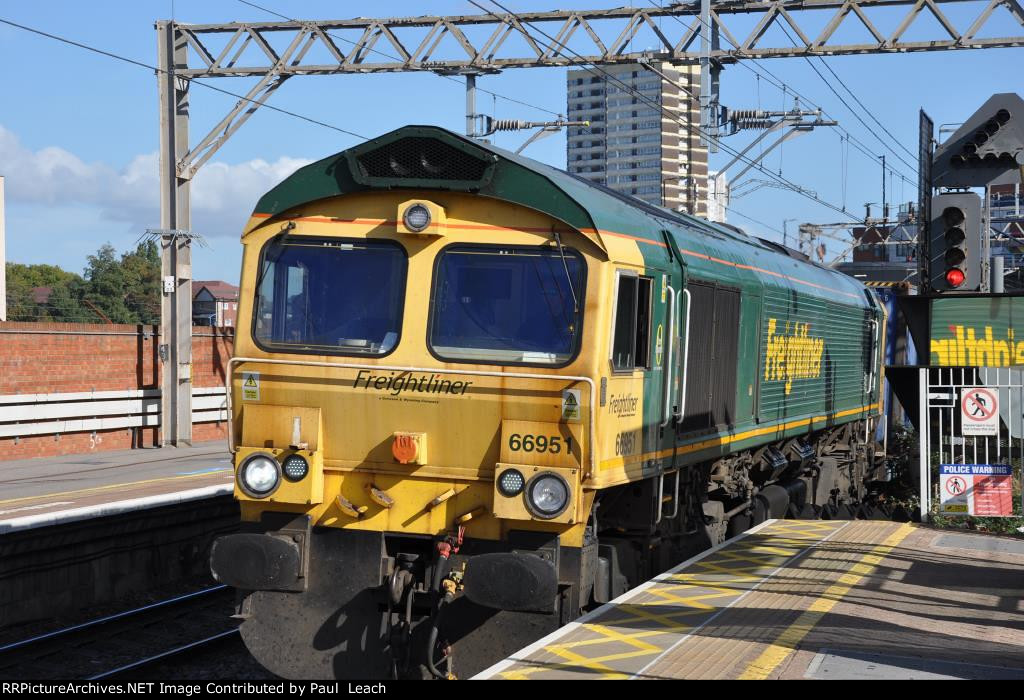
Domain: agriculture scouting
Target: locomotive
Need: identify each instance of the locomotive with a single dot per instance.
(473, 395)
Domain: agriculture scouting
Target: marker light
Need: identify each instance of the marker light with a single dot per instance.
(295, 468)
(547, 495)
(259, 476)
(416, 217)
(955, 277)
(511, 483)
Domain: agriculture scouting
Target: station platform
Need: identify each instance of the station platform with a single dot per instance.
(52, 490)
(794, 599)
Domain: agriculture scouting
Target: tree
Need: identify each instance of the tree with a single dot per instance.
(142, 282)
(105, 285)
(119, 291)
(62, 304)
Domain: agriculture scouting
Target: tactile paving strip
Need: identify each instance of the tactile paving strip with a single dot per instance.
(622, 638)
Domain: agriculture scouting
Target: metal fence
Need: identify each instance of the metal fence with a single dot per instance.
(943, 438)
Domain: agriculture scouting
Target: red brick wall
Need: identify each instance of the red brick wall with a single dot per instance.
(46, 358)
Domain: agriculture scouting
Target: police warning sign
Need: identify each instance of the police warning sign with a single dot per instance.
(976, 489)
(979, 411)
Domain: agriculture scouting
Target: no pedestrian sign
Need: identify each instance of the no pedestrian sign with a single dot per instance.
(976, 489)
(979, 411)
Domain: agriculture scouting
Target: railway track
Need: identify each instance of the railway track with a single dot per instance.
(119, 645)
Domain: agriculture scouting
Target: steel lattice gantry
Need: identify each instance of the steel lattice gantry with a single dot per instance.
(699, 32)
(380, 46)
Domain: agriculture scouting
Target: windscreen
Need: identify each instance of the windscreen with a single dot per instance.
(507, 305)
(331, 296)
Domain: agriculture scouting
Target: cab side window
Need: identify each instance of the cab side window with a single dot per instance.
(631, 334)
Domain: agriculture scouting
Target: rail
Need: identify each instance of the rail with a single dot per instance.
(78, 649)
(229, 374)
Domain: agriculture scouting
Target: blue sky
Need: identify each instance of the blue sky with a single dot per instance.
(79, 132)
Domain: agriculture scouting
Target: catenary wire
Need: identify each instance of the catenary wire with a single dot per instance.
(628, 89)
(395, 58)
(771, 78)
(193, 81)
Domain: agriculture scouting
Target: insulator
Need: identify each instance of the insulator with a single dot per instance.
(751, 123)
(509, 125)
(740, 114)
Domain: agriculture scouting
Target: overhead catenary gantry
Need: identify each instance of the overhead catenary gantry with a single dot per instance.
(468, 44)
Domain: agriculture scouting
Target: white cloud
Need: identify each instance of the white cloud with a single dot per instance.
(223, 195)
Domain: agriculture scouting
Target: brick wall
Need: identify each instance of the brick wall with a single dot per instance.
(45, 358)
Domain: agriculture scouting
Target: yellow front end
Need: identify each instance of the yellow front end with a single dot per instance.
(406, 442)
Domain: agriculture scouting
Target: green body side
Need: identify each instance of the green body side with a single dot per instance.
(807, 356)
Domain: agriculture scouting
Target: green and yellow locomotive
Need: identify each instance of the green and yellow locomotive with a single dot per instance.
(473, 394)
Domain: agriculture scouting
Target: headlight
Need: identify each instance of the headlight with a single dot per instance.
(511, 483)
(416, 217)
(547, 495)
(259, 476)
(295, 468)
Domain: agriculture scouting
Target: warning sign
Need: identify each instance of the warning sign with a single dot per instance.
(976, 489)
(250, 386)
(979, 411)
(571, 404)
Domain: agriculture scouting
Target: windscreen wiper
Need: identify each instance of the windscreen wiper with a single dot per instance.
(568, 277)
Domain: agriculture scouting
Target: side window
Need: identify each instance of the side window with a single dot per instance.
(631, 336)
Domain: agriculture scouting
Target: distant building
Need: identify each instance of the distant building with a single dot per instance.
(643, 138)
(41, 295)
(885, 254)
(214, 303)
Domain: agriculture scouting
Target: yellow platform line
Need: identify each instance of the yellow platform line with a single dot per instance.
(108, 487)
(787, 641)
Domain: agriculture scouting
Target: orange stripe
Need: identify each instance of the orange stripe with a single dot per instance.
(489, 227)
(767, 272)
(617, 462)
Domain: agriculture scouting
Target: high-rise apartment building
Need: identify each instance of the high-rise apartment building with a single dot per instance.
(640, 141)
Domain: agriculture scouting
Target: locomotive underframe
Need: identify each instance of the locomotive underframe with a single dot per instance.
(364, 604)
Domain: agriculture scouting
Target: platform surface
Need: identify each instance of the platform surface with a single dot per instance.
(807, 599)
(44, 490)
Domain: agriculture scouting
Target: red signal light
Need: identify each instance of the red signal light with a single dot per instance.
(954, 277)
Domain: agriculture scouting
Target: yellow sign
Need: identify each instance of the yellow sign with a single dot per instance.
(659, 345)
(977, 348)
(571, 404)
(250, 386)
(792, 354)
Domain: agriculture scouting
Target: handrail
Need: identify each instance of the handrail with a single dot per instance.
(870, 378)
(675, 497)
(686, 357)
(229, 374)
(668, 357)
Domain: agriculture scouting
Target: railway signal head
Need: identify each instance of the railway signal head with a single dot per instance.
(956, 242)
(987, 149)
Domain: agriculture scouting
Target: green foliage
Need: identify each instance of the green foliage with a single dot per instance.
(125, 290)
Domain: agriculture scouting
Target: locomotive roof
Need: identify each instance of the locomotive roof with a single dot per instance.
(429, 157)
(505, 175)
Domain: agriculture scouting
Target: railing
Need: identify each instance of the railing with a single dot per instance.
(435, 370)
(27, 415)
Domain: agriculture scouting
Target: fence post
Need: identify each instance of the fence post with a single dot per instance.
(924, 443)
